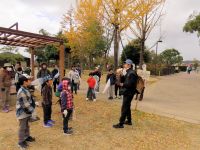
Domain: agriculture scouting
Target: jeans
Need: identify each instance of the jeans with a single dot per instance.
(55, 82)
(47, 113)
(66, 120)
(117, 88)
(74, 87)
(91, 94)
(126, 109)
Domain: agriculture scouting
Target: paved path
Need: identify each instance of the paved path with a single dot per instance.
(176, 96)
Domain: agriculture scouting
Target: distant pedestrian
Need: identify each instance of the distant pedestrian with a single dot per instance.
(55, 77)
(97, 73)
(43, 72)
(75, 79)
(189, 68)
(111, 76)
(118, 75)
(91, 85)
(5, 84)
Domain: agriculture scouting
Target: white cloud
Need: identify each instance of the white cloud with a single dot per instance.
(32, 15)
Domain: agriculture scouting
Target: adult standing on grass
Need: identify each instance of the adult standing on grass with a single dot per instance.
(97, 72)
(5, 84)
(55, 78)
(75, 79)
(129, 89)
(24, 109)
(43, 72)
(111, 76)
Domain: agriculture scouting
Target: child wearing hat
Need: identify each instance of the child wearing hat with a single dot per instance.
(66, 105)
(47, 101)
(24, 110)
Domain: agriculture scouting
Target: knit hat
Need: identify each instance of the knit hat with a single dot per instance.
(65, 84)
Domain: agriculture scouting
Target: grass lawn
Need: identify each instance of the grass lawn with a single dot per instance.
(93, 130)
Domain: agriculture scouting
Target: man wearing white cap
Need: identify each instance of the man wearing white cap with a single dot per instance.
(5, 84)
(129, 89)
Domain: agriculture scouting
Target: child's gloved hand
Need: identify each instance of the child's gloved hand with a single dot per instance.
(65, 112)
(37, 104)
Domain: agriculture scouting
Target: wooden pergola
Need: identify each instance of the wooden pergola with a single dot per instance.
(14, 37)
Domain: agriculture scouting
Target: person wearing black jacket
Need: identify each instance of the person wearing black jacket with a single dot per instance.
(111, 76)
(55, 79)
(129, 89)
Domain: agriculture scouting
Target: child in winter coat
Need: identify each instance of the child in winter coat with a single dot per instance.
(91, 85)
(24, 108)
(66, 105)
(47, 101)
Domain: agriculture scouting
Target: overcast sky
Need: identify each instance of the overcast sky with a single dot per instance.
(32, 15)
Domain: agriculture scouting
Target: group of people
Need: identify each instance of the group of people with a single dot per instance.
(25, 105)
(124, 80)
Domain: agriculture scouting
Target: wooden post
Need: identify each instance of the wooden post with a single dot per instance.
(61, 60)
(32, 62)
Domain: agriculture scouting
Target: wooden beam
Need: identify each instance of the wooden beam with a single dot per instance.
(28, 34)
(32, 62)
(61, 61)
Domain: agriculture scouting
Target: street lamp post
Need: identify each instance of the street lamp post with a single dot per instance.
(156, 55)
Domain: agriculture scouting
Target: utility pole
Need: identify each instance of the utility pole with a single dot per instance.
(156, 61)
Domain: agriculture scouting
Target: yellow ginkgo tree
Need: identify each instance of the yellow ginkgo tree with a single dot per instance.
(142, 26)
(120, 14)
(86, 38)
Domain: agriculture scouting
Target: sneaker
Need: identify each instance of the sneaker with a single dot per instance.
(128, 123)
(51, 122)
(33, 119)
(68, 132)
(87, 99)
(119, 97)
(48, 125)
(115, 97)
(94, 100)
(118, 126)
(110, 98)
(30, 139)
(22, 145)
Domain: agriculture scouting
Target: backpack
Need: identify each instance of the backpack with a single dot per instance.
(112, 79)
(139, 85)
(76, 78)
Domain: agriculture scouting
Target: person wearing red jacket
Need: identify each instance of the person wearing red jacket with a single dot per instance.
(91, 85)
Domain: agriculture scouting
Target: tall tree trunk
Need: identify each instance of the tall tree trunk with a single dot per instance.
(116, 46)
(142, 53)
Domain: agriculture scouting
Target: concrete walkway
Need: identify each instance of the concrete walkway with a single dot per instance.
(176, 96)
